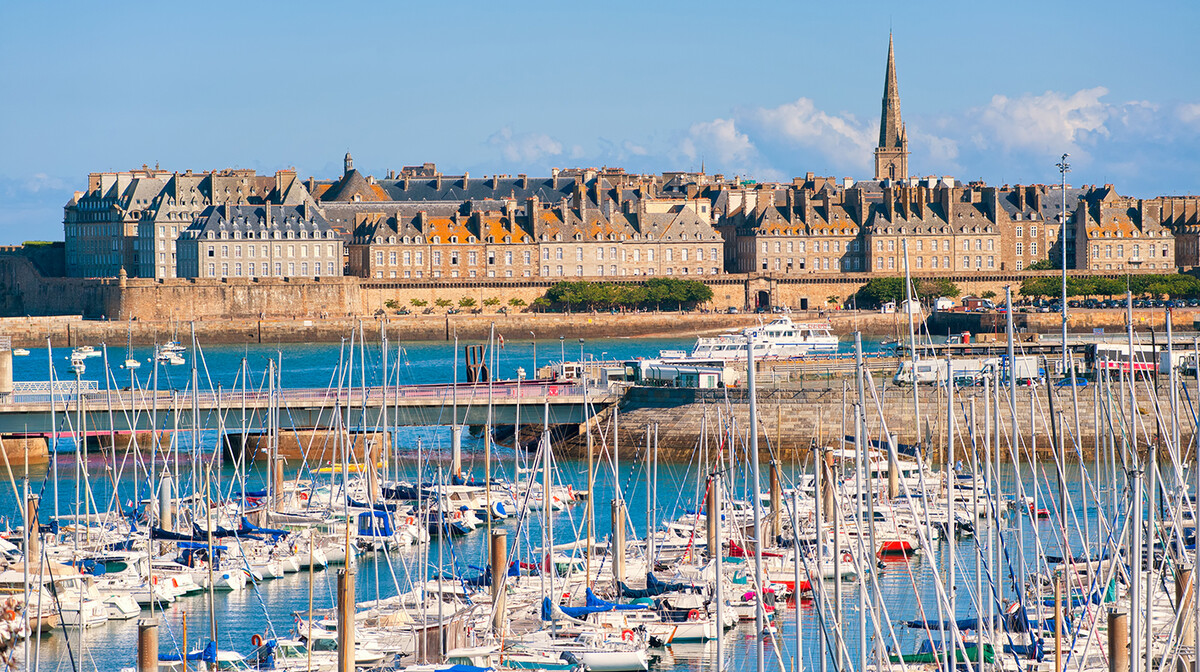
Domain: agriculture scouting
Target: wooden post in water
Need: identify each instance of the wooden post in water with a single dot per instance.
(34, 552)
(345, 612)
(713, 515)
(617, 546)
(1118, 641)
(1183, 605)
(499, 572)
(147, 653)
(827, 486)
(776, 502)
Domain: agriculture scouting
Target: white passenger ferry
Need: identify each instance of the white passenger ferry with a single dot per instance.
(781, 338)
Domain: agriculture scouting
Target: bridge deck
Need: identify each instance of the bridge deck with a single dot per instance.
(233, 410)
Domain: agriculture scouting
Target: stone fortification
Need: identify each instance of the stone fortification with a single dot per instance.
(792, 420)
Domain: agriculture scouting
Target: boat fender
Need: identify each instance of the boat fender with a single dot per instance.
(846, 557)
(410, 521)
(256, 640)
(694, 615)
(627, 635)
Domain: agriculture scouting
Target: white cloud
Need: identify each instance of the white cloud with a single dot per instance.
(1045, 123)
(524, 147)
(1189, 113)
(720, 141)
(842, 138)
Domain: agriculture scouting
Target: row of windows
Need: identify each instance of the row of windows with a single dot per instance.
(801, 246)
(253, 269)
(280, 251)
(612, 270)
(819, 264)
(263, 235)
(980, 244)
(1020, 249)
(919, 262)
(1137, 251)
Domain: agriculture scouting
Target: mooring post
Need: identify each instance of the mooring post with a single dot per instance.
(147, 653)
(499, 571)
(345, 610)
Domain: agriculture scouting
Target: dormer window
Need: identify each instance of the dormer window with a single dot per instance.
(435, 240)
(470, 239)
(453, 239)
(378, 240)
(406, 240)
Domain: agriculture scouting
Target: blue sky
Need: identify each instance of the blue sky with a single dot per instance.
(994, 91)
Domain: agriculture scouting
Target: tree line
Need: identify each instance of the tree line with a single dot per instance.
(1175, 285)
(659, 293)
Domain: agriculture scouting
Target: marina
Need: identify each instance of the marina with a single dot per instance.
(402, 528)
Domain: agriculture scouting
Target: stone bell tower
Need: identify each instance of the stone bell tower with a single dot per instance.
(891, 156)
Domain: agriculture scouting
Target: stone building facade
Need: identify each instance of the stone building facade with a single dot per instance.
(417, 224)
(264, 241)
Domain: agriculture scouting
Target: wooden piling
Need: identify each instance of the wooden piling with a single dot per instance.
(147, 653)
(1118, 641)
(345, 611)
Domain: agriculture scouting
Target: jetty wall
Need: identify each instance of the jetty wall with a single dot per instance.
(793, 420)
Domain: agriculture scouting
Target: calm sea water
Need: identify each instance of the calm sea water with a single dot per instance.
(269, 608)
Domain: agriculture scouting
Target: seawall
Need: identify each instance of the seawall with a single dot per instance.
(793, 420)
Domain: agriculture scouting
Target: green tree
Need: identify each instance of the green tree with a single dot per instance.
(491, 301)
(1043, 265)
(988, 295)
(443, 303)
(466, 302)
(541, 303)
(516, 302)
(391, 304)
(419, 303)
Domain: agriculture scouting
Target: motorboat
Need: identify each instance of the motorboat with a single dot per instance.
(780, 338)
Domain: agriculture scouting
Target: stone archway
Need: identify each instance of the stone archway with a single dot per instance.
(760, 293)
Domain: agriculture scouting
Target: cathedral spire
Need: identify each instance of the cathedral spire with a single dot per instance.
(891, 156)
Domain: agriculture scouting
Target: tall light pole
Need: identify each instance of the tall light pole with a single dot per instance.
(534, 354)
(1063, 169)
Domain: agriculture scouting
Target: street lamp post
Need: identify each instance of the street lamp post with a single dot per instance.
(534, 354)
(1063, 169)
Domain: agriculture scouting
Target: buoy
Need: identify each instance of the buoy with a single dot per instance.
(627, 635)
(303, 495)
(846, 557)
(256, 640)
(694, 615)
(410, 521)
(9, 614)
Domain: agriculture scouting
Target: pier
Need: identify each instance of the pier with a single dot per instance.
(122, 411)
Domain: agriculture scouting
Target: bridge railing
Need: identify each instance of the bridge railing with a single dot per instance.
(463, 393)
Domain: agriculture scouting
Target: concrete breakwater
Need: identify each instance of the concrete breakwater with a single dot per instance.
(793, 420)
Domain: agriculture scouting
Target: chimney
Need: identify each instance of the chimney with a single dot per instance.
(466, 177)
(991, 202)
(554, 178)
(1019, 192)
(437, 182)
(495, 182)
(523, 181)
(889, 203)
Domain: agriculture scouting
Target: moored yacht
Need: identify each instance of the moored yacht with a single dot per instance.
(780, 338)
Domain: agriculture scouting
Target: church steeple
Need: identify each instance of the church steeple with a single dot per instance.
(348, 163)
(891, 156)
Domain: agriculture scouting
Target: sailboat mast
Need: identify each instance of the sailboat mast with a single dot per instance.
(759, 625)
